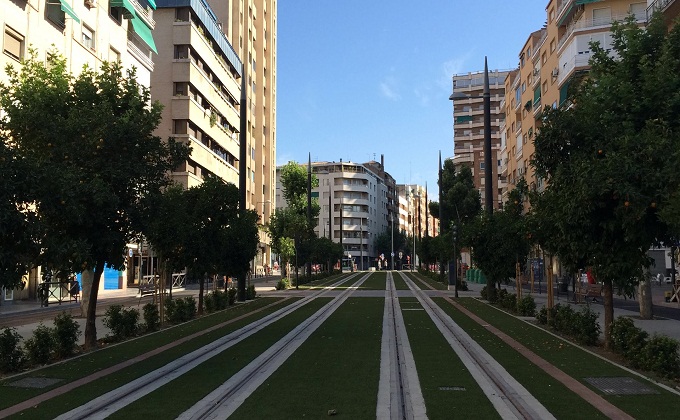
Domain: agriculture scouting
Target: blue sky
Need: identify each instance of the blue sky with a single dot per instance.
(361, 78)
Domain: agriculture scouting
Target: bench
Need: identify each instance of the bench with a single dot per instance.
(146, 290)
(585, 291)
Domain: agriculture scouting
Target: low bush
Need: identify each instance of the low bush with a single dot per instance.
(216, 301)
(581, 326)
(39, 347)
(627, 339)
(660, 355)
(11, 355)
(484, 293)
(231, 296)
(180, 310)
(526, 306)
(152, 318)
(509, 301)
(66, 333)
(250, 292)
(283, 284)
(121, 321)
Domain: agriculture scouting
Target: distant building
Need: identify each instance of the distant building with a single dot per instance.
(468, 127)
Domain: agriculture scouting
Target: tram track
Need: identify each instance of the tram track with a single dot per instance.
(510, 399)
(112, 401)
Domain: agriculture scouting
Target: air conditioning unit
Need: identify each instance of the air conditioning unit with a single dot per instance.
(555, 72)
(90, 3)
(537, 72)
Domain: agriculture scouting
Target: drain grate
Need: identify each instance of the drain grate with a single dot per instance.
(621, 386)
(34, 382)
(451, 388)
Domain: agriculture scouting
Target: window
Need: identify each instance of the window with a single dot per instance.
(552, 45)
(524, 87)
(545, 87)
(602, 16)
(481, 166)
(639, 10)
(87, 37)
(544, 57)
(114, 55)
(54, 13)
(551, 15)
(14, 43)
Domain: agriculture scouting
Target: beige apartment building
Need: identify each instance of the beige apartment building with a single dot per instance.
(86, 32)
(468, 127)
(548, 61)
(197, 78)
(251, 25)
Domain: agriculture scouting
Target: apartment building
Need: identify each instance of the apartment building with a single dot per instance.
(468, 126)
(355, 206)
(414, 214)
(86, 32)
(669, 8)
(197, 79)
(251, 25)
(548, 61)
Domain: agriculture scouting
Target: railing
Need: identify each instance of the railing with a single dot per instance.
(583, 24)
(657, 5)
(561, 6)
(140, 10)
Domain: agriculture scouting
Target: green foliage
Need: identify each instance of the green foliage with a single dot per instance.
(40, 346)
(231, 296)
(216, 301)
(611, 159)
(283, 284)
(152, 317)
(582, 326)
(660, 355)
(526, 306)
(11, 355)
(89, 143)
(180, 310)
(121, 321)
(66, 333)
(484, 293)
(628, 340)
(250, 292)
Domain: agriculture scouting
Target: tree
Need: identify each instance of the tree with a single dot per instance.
(292, 222)
(95, 158)
(610, 156)
(498, 241)
(19, 245)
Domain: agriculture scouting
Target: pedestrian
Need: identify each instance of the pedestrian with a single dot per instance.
(658, 278)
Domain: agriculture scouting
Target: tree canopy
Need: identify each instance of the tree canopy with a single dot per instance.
(610, 157)
(90, 144)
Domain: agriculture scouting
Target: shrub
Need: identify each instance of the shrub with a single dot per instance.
(180, 310)
(562, 319)
(509, 301)
(542, 316)
(484, 293)
(11, 355)
(660, 355)
(526, 306)
(39, 346)
(210, 302)
(250, 292)
(283, 284)
(585, 328)
(152, 318)
(121, 321)
(231, 296)
(66, 333)
(627, 339)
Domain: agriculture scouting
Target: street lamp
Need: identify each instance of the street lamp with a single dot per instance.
(488, 168)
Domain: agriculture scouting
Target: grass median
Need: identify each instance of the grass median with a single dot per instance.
(337, 368)
(569, 358)
(448, 388)
(89, 363)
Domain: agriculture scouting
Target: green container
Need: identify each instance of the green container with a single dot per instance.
(482, 278)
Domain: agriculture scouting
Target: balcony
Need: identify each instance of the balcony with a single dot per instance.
(658, 5)
(588, 24)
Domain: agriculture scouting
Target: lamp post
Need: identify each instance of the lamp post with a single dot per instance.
(488, 167)
(361, 242)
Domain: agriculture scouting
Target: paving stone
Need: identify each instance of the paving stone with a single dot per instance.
(34, 382)
(620, 386)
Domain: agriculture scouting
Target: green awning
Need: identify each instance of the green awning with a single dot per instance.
(67, 9)
(537, 94)
(144, 32)
(125, 4)
(463, 119)
(152, 4)
(564, 91)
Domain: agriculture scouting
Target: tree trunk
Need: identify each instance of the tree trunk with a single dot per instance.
(201, 287)
(90, 325)
(608, 311)
(645, 299)
(86, 279)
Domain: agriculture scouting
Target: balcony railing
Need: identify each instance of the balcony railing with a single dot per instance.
(657, 5)
(585, 24)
